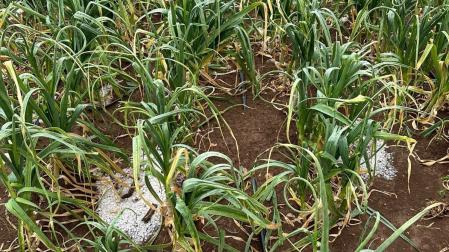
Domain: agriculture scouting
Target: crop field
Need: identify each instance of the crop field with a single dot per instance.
(224, 125)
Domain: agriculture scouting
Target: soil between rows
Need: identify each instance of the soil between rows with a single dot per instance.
(400, 205)
(260, 126)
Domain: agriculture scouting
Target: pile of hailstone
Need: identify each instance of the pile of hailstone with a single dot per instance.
(121, 205)
(381, 162)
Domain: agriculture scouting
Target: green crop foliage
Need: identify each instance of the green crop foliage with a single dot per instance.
(347, 74)
(196, 189)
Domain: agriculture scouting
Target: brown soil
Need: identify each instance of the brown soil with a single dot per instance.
(261, 126)
(256, 129)
(425, 187)
(8, 232)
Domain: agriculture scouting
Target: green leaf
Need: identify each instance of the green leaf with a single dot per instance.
(14, 208)
(331, 112)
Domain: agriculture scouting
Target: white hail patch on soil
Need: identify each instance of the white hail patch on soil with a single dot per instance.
(381, 162)
(106, 95)
(127, 214)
